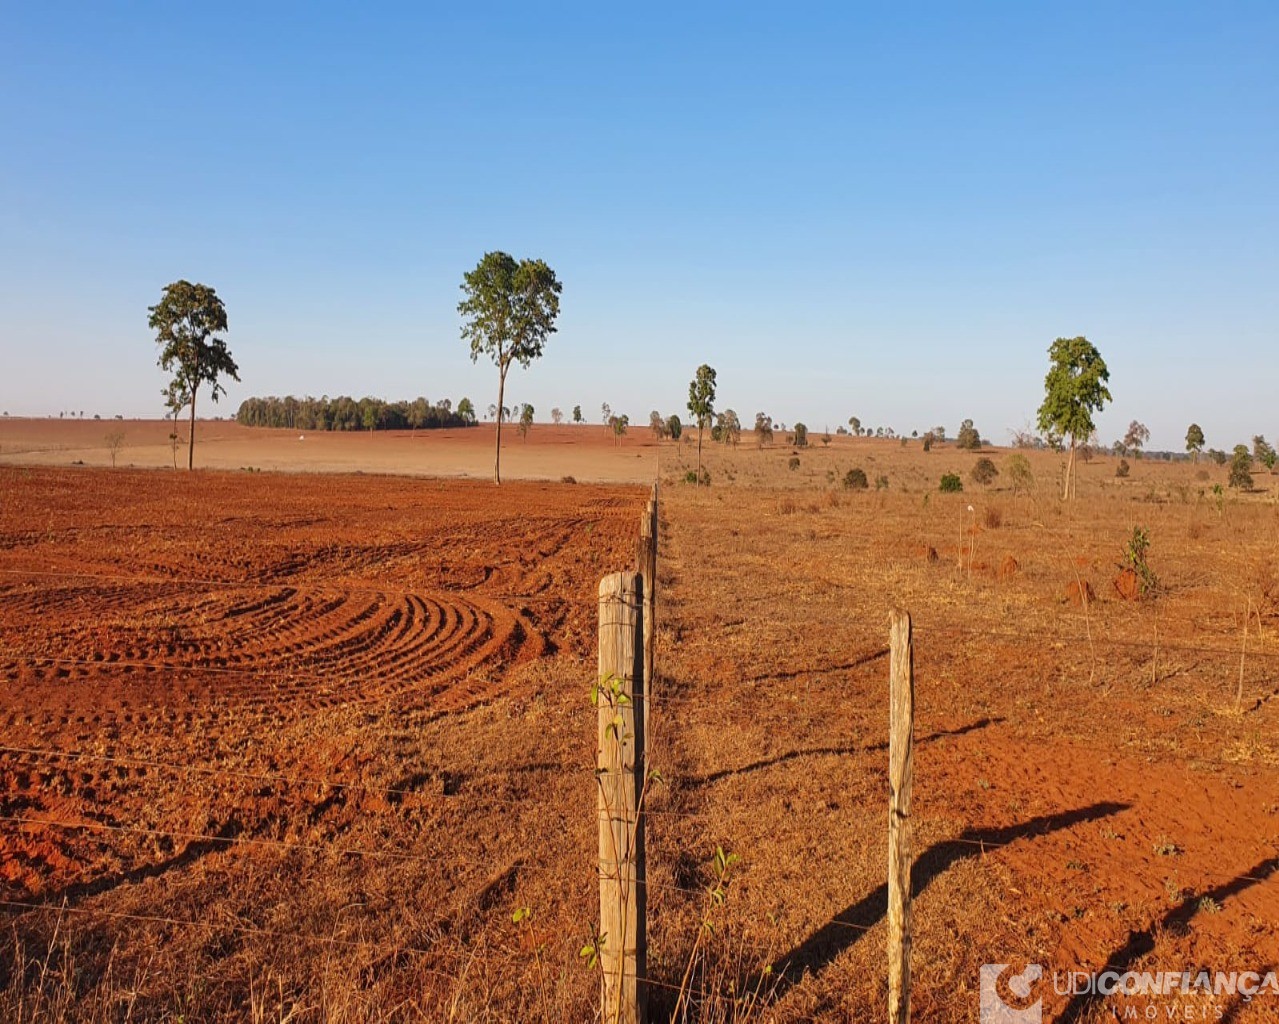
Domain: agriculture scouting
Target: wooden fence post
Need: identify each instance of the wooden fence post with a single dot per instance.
(620, 776)
(901, 727)
(646, 564)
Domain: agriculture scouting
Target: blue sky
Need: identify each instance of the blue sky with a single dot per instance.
(882, 210)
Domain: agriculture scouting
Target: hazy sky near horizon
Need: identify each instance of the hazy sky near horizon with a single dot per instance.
(876, 210)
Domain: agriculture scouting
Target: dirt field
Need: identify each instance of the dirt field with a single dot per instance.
(287, 744)
(588, 453)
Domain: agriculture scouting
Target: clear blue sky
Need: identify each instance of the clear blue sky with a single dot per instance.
(883, 210)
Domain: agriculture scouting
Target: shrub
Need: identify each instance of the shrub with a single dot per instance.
(1123, 468)
(568, 480)
(855, 480)
(792, 462)
(950, 484)
(881, 482)
(801, 436)
(1135, 559)
(691, 477)
(984, 471)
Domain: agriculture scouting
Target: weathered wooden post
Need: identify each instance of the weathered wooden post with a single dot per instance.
(646, 564)
(901, 727)
(620, 776)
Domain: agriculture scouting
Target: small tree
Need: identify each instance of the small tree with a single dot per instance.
(466, 410)
(656, 424)
(1019, 475)
(114, 442)
(799, 435)
(508, 313)
(968, 437)
(929, 437)
(1194, 441)
(855, 425)
(187, 320)
(175, 400)
(728, 427)
(577, 414)
(701, 405)
(1075, 388)
(557, 415)
(1241, 468)
(1263, 451)
(1136, 438)
(526, 421)
(606, 414)
(763, 429)
(618, 425)
(674, 428)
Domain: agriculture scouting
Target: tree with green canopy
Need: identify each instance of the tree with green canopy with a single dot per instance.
(1194, 441)
(508, 312)
(1075, 388)
(701, 404)
(187, 320)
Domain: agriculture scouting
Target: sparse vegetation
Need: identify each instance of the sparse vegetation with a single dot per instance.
(114, 442)
(950, 483)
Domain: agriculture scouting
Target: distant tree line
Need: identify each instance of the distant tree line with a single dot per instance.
(345, 413)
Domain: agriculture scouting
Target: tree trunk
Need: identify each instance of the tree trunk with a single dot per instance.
(699, 453)
(1070, 471)
(191, 439)
(497, 457)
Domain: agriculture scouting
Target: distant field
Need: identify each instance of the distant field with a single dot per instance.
(587, 452)
(299, 746)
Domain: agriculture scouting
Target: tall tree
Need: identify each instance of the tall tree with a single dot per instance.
(187, 320)
(1075, 388)
(701, 404)
(508, 313)
(1194, 441)
(1136, 438)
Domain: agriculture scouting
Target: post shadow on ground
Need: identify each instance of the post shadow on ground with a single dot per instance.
(697, 781)
(192, 852)
(1141, 943)
(848, 666)
(821, 948)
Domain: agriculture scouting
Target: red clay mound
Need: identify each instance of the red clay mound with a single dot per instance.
(1128, 585)
(1077, 593)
